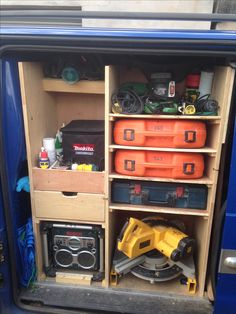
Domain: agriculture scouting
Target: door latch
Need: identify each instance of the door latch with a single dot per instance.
(227, 263)
(230, 262)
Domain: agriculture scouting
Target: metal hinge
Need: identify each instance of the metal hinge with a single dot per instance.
(2, 258)
(1, 280)
(232, 64)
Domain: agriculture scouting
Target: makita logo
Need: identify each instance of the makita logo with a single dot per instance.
(84, 147)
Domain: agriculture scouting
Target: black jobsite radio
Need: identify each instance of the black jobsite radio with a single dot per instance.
(73, 247)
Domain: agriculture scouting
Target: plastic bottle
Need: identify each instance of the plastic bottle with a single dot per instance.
(205, 84)
(58, 144)
(192, 85)
(43, 159)
(49, 145)
(192, 81)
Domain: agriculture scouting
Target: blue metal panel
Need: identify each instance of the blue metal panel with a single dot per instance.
(115, 39)
(5, 290)
(231, 199)
(226, 283)
(13, 138)
(70, 31)
(13, 126)
(15, 154)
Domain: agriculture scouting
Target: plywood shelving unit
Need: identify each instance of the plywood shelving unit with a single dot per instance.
(198, 221)
(47, 103)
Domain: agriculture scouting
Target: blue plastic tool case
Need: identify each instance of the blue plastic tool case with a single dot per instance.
(160, 194)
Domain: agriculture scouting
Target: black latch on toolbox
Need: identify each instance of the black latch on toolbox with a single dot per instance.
(190, 136)
(129, 165)
(188, 168)
(129, 135)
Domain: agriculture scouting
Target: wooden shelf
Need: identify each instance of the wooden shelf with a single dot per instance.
(155, 116)
(157, 209)
(203, 180)
(75, 221)
(206, 150)
(83, 87)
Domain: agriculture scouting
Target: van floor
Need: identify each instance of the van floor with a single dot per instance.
(74, 298)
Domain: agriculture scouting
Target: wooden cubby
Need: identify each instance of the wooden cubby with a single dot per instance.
(195, 228)
(47, 103)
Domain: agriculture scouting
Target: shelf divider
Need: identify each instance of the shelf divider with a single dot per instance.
(203, 180)
(155, 116)
(206, 150)
(83, 87)
(156, 209)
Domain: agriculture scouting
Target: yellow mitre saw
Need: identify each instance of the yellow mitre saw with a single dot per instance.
(154, 249)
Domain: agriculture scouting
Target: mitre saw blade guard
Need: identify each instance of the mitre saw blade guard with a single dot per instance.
(156, 267)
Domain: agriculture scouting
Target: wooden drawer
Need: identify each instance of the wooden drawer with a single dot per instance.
(68, 181)
(55, 205)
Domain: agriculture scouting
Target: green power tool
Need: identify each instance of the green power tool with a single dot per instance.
(161, 107)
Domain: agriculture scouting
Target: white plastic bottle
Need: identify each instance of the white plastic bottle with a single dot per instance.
(49, 145)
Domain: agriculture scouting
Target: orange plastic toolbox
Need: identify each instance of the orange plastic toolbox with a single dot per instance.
(159, 164)
(160, 133)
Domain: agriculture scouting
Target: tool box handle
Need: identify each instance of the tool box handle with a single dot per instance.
(155, 165)
(188, 167)
(158, 203)
(129, 134)
(189, 135)
(130, 165)
(156, 134)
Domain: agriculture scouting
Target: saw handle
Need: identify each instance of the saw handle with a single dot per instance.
(121, 235)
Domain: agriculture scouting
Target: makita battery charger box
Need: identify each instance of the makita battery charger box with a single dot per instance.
(83, 142)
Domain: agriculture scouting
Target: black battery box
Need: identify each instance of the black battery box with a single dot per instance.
(160, 194)
(83, 142)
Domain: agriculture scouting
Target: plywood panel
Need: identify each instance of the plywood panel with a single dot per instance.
(111, 85)
(222, 92)
(83, 87)
(79, 107)
(39, 109)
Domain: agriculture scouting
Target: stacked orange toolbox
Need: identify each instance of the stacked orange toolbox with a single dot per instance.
(160, 133)
(159, 164)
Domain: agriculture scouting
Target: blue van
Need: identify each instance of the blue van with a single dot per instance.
(60, 231)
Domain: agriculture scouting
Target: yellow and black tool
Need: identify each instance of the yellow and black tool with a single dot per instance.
(139, 237)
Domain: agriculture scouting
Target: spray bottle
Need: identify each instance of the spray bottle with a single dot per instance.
(58, 143)
(43, 159)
